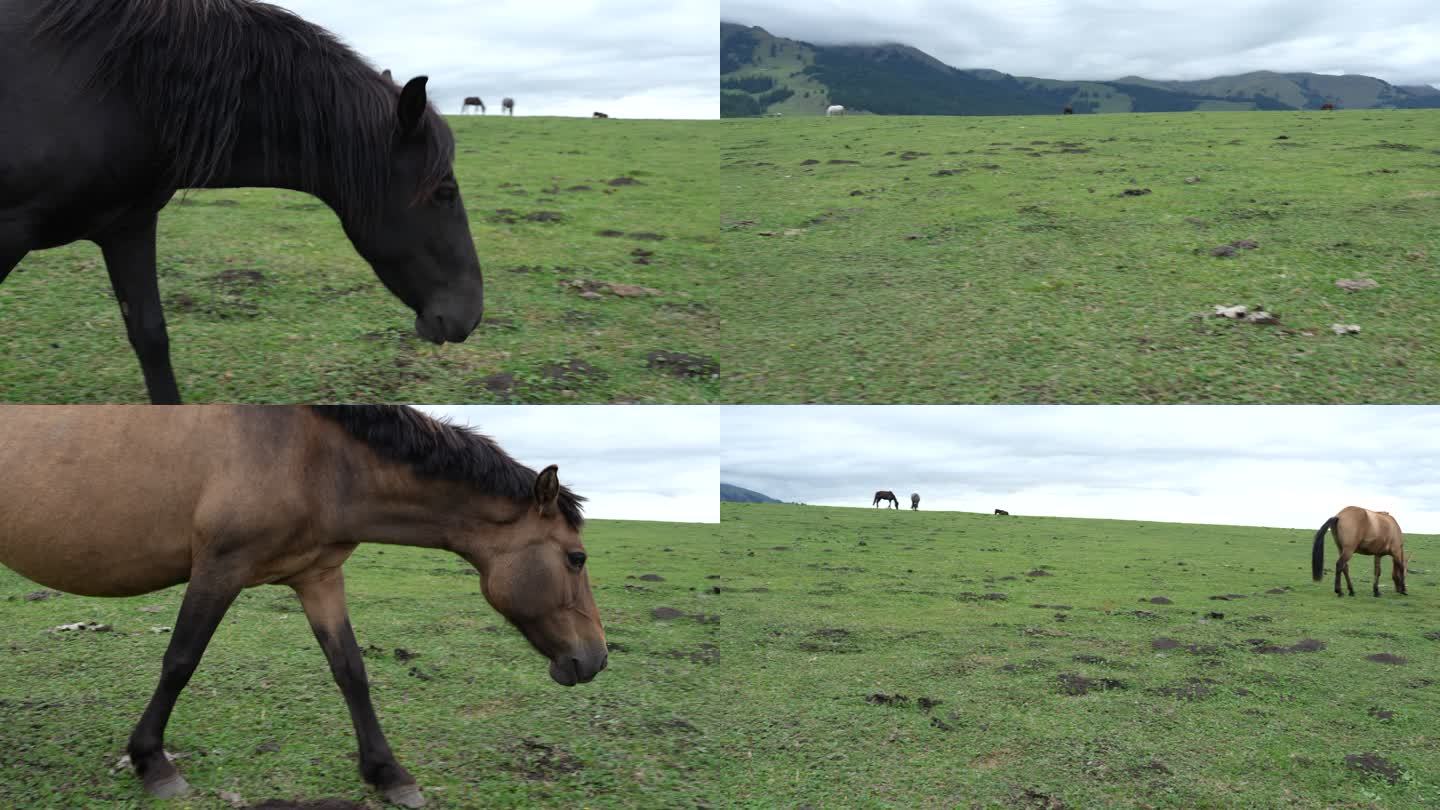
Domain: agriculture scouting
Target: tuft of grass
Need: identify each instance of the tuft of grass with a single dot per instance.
(268, 302)
(1001, 260)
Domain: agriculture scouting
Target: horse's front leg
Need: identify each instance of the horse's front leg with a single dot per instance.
(130, 259)
(323, 598)
(1378, 558)
(205, 603)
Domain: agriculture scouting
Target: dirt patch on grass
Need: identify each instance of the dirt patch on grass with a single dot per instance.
(1039, 572)
(1387, 658)
(1158, 600)
(1033, 799)
(707, 654)
(1165, 644)
(682, 365)
(542, 762)
(1304, 645)
(1373, 765)
(572, 373)
(1228, 597)
(666, 613)
(1190, 689)
(651, 578)
(843, 162)
(1074, 684)
(882, 699)
(1381, 714)
(509, 216)
(647, 236)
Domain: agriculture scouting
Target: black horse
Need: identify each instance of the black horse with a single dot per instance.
(110, 108)
(886, 495)
(1001, 512)
(507, 105)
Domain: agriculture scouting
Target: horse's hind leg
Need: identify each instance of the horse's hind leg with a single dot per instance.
(1377, 574)
(323, 598)
(130, 259)
(200, 613)
(1344, 566)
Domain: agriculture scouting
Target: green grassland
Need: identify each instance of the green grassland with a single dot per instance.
(474, 717)
(929, 659)
(268, 302)
(1000, 260)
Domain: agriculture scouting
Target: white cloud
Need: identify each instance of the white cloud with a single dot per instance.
(633, 462)
(628, 58)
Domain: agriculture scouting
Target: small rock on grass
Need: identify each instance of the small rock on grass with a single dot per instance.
(1244, 313)
(1354, 284)
(1345, 328)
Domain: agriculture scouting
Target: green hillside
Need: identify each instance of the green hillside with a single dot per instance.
(934, 659)
(762, 74)
(729, 493)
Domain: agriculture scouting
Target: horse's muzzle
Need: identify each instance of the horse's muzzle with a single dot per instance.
(568, 671)
(438, 328)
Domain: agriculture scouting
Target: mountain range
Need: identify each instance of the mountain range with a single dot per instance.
(761, 73)
(734, 494)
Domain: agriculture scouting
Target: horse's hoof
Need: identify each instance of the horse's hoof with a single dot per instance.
(169, 788)
(405, 796)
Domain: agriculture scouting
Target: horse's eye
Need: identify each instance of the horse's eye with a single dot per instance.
(577, 558)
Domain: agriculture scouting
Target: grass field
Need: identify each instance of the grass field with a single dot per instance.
(901, 659)
(475, 716)
(938, 259)
(268, 302)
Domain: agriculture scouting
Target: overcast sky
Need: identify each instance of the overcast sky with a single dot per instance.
(627, 58)
(633, 462)
(1395, 40)
(1251, 466)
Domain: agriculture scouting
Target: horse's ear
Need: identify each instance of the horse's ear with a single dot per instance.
(385, 74)
(547, 490)
(412, 105)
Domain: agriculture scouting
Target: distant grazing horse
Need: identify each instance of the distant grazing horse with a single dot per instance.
(219, 94)
(914, 500)
(886, 495)
(507, 105)
(1327, 106)
(1001, 512)
(599, 115)
(124, 500)
(834, 109)
(1361, 531)
(472, 101)
(1069, 110)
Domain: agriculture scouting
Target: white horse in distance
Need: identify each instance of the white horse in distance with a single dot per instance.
(834, 109)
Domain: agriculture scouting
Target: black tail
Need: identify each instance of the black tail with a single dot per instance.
(1317, 554)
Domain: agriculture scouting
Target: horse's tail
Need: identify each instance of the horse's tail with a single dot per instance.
(1317, 554)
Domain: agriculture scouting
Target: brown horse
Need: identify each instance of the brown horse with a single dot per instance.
(125, 500)
(472, 101)
(886, 495)
(1361, 531)
(1069, 110)
(1327, 106)
(599, 115)
(914, 501)
(1002, 512)
(507, 105)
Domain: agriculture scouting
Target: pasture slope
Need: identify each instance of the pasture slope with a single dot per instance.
(268, 302)
(1035, 259)
(931, 659)
(473, 714)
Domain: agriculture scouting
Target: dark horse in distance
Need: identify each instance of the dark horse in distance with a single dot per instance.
(110, 108)
(472, 101)
(915, 501)
(507, 105)
(1001, 512)
(123, 500)
(886, 495)
(1361, 531)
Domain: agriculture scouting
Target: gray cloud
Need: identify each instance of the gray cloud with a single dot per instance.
(1105, 39)
(1265, 466)
(628, 58)
(633, 462)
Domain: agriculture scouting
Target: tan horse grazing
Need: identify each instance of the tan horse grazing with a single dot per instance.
(886, 495)
(126, 500)
(1361, 531)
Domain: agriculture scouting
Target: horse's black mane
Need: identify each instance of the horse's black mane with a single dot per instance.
(439, 449)
(194, 64)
